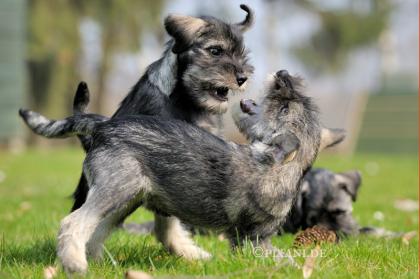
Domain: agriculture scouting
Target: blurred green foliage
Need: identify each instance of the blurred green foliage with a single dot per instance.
(389, 124)
(341, 32)
(54, 44)
(53, 48)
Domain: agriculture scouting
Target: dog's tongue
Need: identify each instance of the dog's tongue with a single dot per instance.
(248, 106)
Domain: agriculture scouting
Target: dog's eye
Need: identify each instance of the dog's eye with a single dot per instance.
(215, 50)
(337, 212)
(343, 187)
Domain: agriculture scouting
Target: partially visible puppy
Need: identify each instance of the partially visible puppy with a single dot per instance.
(326, 199)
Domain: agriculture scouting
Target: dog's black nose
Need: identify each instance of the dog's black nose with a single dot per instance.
(241, 79)
(248, 106)
(282, 73)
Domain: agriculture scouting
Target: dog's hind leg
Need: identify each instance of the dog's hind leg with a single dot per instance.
(75, 231)
(95, 244)
(170, 232)
(84, 230)
(80, 194)
(94, 247)
(111, 197)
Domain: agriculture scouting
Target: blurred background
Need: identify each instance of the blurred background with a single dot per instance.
(359, 59)
(360, 62)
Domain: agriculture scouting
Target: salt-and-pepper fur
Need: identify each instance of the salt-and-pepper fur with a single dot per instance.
(325, 199)
(177, 169)
(204, 62)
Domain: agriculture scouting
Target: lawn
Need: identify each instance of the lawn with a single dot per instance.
(34, 191)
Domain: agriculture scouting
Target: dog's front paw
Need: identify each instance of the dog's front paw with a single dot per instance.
(72, 261)
(192, 252)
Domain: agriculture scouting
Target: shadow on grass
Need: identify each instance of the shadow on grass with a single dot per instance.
(143, 253)
(42, 251)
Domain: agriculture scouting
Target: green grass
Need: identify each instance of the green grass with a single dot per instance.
(34, 198)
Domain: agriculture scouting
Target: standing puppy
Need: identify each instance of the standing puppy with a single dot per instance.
(204, 61)
(177, 169)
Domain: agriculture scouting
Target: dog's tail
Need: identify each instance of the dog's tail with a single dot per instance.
(77, 124)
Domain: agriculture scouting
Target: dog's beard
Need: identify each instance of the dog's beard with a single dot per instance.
(210, 93)
(214, 106)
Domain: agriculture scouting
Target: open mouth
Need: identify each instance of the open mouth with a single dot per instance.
(220, 94)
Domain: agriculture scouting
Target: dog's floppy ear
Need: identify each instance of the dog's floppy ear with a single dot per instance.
(183, 29)
(350, 181)
(331, 137)
(285, 147)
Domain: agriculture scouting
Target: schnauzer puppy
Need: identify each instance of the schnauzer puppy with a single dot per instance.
(326, 198)
(204, 60)
(177, 169)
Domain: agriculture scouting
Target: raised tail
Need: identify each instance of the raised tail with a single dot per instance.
(78, 124)
(82, 124)
(80, 102)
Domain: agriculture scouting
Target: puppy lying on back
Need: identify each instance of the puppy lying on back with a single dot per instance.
(177, 169)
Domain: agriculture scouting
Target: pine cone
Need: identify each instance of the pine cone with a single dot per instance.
(315, 235)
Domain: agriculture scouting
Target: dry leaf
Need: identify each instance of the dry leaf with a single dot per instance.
(310, 261)
(406, 205)
(133, 274)
(378, 215)
(407, 237)
(50, 272)
(25, 206)
(221, 237)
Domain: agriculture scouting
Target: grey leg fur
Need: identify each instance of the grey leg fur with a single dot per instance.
(170, 232)
(94, 246)
(75, 231)
(84, 230)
